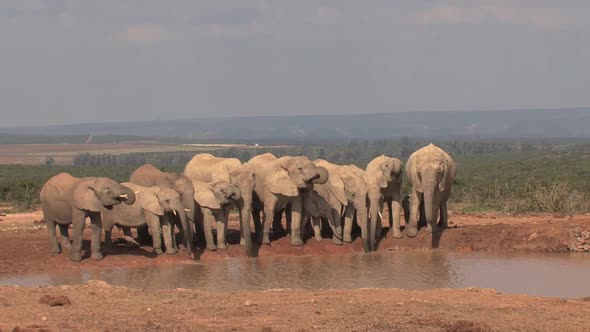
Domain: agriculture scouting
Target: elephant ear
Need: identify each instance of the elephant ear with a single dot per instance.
(336, 185)
(86, 198)
(413, 174)
(205, 197)
(279, 182)
(148, 200)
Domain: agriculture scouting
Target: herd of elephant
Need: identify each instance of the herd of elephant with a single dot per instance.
(265, 187)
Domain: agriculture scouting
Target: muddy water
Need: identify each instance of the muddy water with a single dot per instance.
(544, 275)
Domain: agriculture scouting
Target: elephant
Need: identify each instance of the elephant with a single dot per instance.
(280, 183)
(154, 206)
(384, 177)
(69, 200)
(346, 192)
(205, 167)
(213, 201)
(148, 175)
(431, 172)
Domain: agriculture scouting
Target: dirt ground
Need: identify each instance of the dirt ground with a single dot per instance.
(99, 306)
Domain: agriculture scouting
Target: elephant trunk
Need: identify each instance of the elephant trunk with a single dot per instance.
(188, 201)
(126, 195)
(244, 206)
(186, 228)
(431, 208)
(362, 219)
(321, 176)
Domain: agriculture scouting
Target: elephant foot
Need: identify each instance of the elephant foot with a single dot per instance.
(75, 256)
(318, 239)
(397, 235)
(412, 231)
(336, 241)
(54, 250)
(222, 246)
(171, 251)
(266, 239)
(67, 245)
(211, 247)
(347, 239)
(182, 247)
(296, 241)
(242, 242)
(97, 256)
(158, 251)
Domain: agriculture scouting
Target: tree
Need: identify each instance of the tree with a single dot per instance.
(49, 161)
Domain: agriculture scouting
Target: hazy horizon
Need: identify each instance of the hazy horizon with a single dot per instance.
(74, 62)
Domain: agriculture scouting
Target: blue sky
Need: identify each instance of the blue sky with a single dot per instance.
(71, 61)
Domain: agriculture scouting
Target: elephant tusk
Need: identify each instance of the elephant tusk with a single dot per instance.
(136, 192)
(380, 215)
(187, 210)
(174, 211)
(123, 196)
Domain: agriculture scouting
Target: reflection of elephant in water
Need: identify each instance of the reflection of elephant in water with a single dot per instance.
(384, 177)
(205, 167)
(279, 182)
(154, 206)
(148, 175)
(69, 200)
(431, 172)
(213, 202)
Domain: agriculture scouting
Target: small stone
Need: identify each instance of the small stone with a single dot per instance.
(248, 303)
(313, 301)
(400, 303)
(533, 236)
(43, 318)
(149, 309)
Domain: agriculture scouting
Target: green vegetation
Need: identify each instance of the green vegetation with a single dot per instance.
(492, 176)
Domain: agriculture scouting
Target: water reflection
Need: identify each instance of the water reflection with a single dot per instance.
(548, 275)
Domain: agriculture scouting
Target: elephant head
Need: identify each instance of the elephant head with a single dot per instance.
(430, 178)
(390, 170)
(95, 193)
(184, 187)
(294, 173)
(217, 194)
(244, 179)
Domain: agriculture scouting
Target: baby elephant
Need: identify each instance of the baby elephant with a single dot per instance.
(154, 207)
(213, 202)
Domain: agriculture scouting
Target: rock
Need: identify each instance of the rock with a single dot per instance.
(248, 303)
(43, 318)
(585, 234)
(313, 301)
(55, 301)
(533, 236)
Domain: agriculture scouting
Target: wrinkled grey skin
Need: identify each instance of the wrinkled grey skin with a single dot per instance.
(280, 183)
(69, 200)
(205, 167)
(346, 193)
(384, 179)
(431, 172)
(213, 201)
(155, 207)
(148, 175)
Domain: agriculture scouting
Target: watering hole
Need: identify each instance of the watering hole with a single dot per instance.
(554, 275)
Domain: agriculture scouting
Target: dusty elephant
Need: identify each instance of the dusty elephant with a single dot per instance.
(384, 179)
(279, 184)
(148, 175)
(205, 167)
(431, 172)
(154, 206)
(69, 200)
(213, 202)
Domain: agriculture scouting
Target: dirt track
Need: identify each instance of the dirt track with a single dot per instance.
(99, 306)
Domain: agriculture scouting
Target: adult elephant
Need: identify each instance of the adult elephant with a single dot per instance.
(205, 167)
(69, 200)
(384, 178)
(154, 207)
(431, 172)
(280, 183)
(213, 202)
(148, 175)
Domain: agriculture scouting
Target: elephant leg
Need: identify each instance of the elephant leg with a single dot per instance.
(208, 217)
(143, 235)
(108, 241)
(317, 229)
(65, 238)
(52, 237)
(267, 214)
(96, 226)
(296, 214)
(154, 226)
(78, 224)
(336, 225)
(288, 221)
(167, 231)
(395, 217)
(412, 227)
(348, 221)
(444, 215)
(221, 222)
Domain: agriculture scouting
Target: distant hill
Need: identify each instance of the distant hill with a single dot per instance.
(546, 123)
